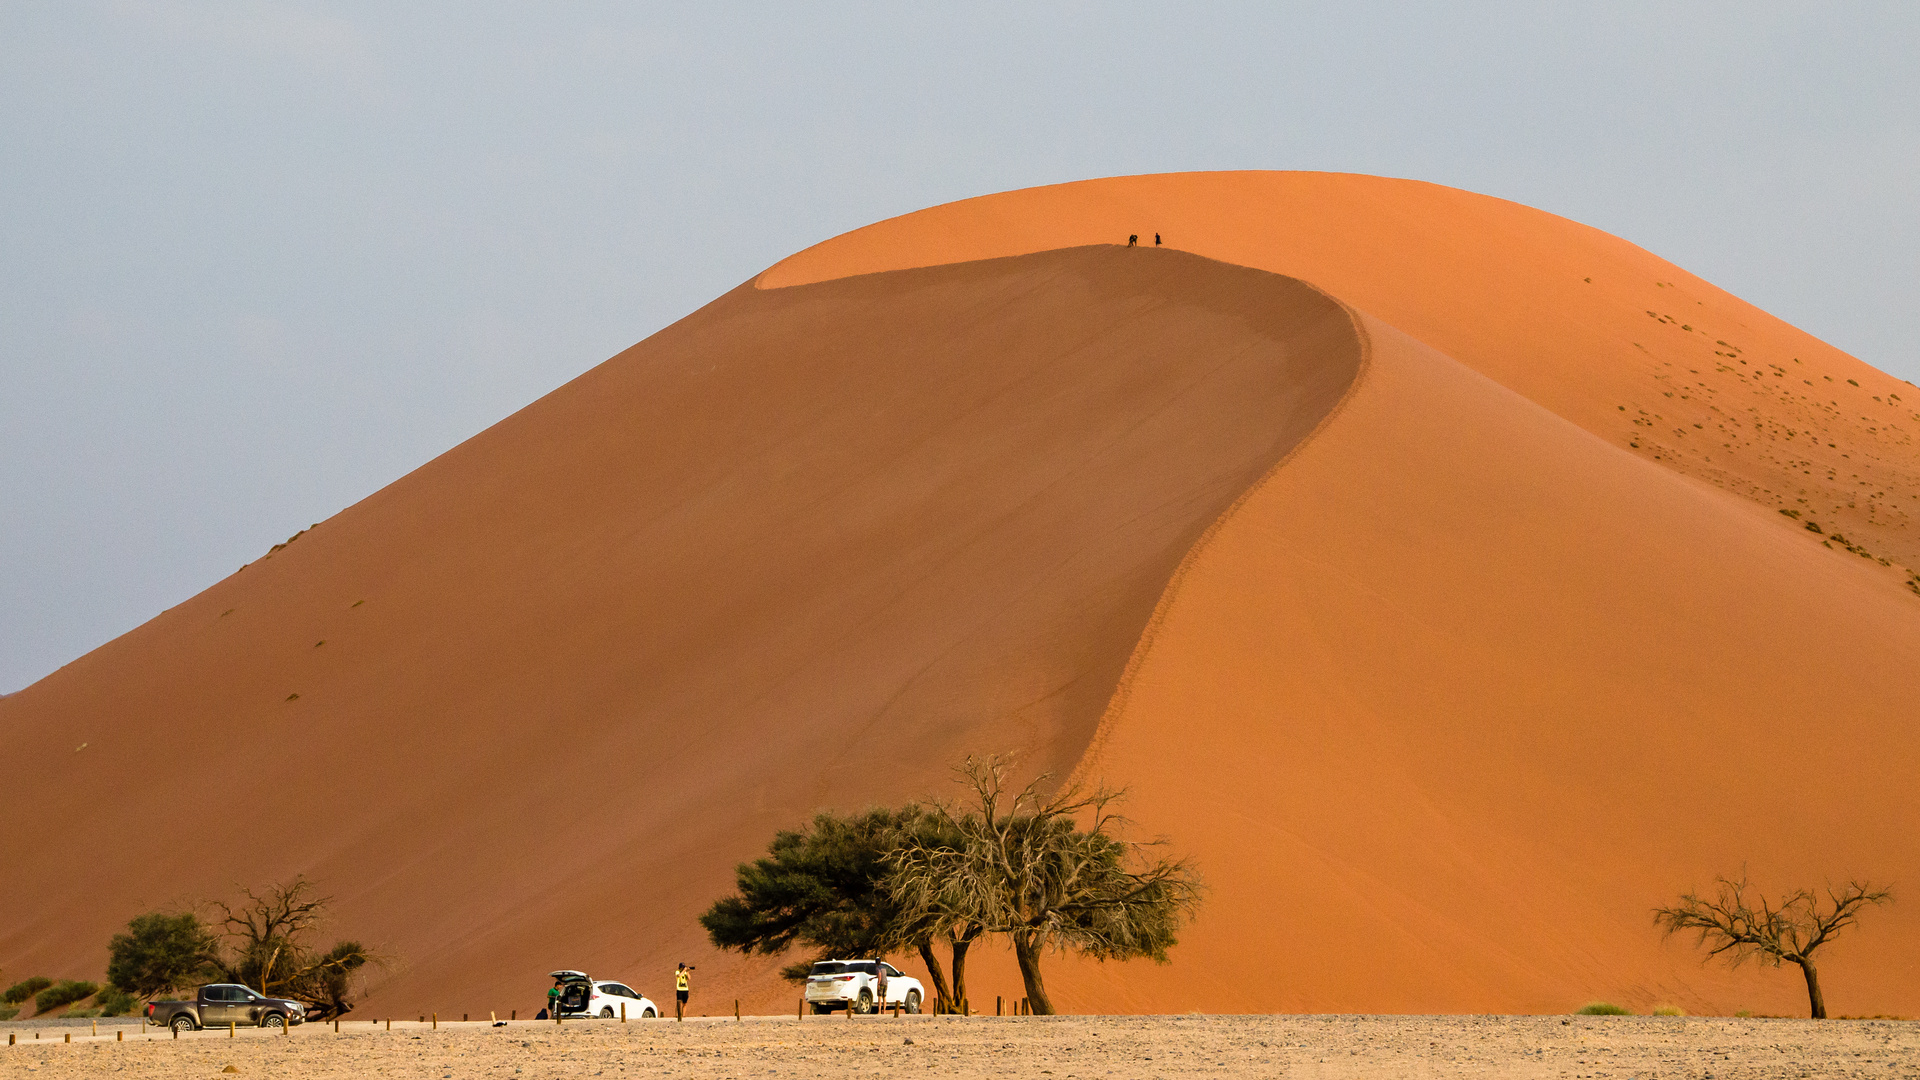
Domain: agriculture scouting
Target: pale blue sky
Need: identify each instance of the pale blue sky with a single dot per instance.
(259, 259)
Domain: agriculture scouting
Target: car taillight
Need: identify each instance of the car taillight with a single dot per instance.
(149, 1008)
(843, 978)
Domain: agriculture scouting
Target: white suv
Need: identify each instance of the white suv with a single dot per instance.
(854, 984)
(581, 996)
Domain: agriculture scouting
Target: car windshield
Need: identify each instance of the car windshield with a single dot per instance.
(830, 967)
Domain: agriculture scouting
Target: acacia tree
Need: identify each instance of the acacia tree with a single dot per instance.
(1743, 928)
(825, 887)
(270, 932)
(1024, 867)
(162, 952)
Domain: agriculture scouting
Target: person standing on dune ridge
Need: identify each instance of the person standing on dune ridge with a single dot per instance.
(1156, 239)
(1134, 240)
(682, 985)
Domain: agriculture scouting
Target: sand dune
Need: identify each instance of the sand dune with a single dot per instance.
(1365, 539)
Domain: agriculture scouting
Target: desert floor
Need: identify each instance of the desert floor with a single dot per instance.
(1061, 1047)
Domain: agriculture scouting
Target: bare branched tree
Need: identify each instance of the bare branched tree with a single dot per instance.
(1025, 867)
(1741, 927)
(270, 932)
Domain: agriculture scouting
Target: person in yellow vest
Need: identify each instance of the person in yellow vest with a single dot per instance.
(682, 983)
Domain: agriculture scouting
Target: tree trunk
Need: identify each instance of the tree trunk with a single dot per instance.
(1026, 949)
(942, 1001)
(1815, 1001)
(960, 945)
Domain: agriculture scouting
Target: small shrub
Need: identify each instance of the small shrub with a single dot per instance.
(65, 992)
(1744, 1014)
(8, 1012)
(1602, 1008)
(1669, 1010)
(25, 989)
(116, 1002)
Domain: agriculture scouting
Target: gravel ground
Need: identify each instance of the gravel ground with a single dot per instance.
(1066, 1048)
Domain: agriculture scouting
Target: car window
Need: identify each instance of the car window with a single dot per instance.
(223, 993)
(829, 967)
(623, 991)
(891, 970)
(864, 969)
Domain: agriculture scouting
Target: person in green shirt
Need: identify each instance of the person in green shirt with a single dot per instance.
(553, 1001)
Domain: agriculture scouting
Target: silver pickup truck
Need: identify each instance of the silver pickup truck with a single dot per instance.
(220, 1004)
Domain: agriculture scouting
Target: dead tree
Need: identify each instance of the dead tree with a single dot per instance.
(1025, 867)
(1743, 928)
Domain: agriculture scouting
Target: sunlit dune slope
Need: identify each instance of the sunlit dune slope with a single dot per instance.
(526, 707)
(1633, 349)
(1460, 693)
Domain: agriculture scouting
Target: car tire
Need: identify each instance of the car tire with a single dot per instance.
(606, 1012)
(913, 1001)
(183, 1022)
(275, 1021)
(865, 1004)
(648, 1014)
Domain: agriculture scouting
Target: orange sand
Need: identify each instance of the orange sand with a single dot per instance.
(1443, 702)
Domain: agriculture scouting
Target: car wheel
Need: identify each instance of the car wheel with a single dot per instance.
(866, 1002)
(648, 1014)
(274, 1021)
(913, 1001)
(606, 1012)
(181, 1023)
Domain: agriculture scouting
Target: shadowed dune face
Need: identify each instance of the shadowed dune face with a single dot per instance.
(526, 707)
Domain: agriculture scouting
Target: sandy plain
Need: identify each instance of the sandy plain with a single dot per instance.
(1064, 1047)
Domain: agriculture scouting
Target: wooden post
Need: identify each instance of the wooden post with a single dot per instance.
(176, 1033)
(996, 1004)
(801, 1013)
(436, 1021)
(231, 1028)
(463, 1018)
(96, 1028)
(389, 1023)
(69, 1036)
(623, 1012)
(966, 1007)
(514, 1015)
(10, 1038)
(492, 1018)
(120, 1035)
(736, 1008)
(336, 1025)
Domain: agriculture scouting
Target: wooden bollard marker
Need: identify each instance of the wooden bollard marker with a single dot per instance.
(9, 1038)
(492, 1018)
(623, 1012)
(69, 1036)
(996, 1004)
(336, 1025)
(736, 1008)
(232, 1027)
(389, 1023)
(176, 1033)
(801, 1012)
(436, 1021)
(96, 1027)
(463, 1018)
(120, 1035)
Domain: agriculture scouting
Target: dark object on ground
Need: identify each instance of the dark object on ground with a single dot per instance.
(220, 1004)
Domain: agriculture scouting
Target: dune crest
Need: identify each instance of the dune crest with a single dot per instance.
(1628, 346)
